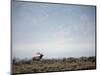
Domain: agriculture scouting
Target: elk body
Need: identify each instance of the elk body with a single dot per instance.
(38, 56)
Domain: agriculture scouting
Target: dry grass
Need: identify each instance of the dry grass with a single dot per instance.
(53, 65)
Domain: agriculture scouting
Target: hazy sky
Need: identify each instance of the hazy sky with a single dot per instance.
(55, 30)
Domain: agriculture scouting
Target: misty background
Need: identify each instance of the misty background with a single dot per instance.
(56, 30)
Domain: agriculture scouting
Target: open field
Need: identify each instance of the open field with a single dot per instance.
(53, 65)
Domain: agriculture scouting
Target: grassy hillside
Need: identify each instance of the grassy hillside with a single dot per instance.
(53, 65)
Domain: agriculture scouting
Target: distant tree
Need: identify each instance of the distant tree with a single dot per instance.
(92, 59)
(71, 59)
(15, 61)
(83, 59)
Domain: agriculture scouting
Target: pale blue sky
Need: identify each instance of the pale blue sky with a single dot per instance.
(53, 29)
